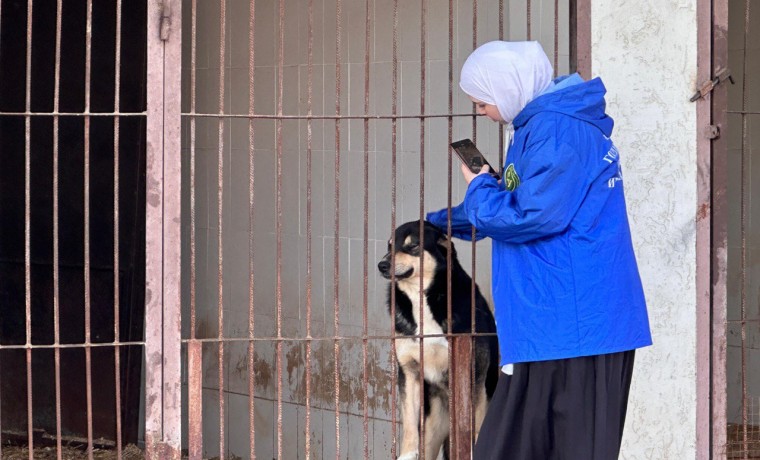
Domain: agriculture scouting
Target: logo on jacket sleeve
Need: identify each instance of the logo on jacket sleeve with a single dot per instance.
(511, 179)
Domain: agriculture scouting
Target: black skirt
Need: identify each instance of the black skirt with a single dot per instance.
(571, 409)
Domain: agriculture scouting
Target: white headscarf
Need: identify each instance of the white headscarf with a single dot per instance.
(506, 74)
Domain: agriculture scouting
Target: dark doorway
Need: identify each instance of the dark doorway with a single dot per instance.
(71, 216)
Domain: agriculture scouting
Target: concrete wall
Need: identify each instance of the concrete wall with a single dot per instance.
(646, 52)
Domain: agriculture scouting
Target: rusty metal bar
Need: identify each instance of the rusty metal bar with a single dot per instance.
(220, 221)
(291, 339)
(365, 264)
(743, 229)
(309, 276)
(463, 396)
(195, 399)
(394, 122)
(423, 31)
(1, 411)
(56, 241)
(87, 269)
(703, 224)
(580, 37)
(719, 254)
(327, 117)
(336, 247)
(193, 78)
(69, 345)
(278, 216)
(528, 12)
(55, 113)
(116, 324)
(556, 37)
(194, 348)
(27, 231)
(251, 318)
(163, 241)
(450, 125)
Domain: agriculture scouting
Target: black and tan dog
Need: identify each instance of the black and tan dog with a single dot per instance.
(408, 249)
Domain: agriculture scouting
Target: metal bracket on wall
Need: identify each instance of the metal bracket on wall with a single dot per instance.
(707, 87)
(712, 132)
(165, 25)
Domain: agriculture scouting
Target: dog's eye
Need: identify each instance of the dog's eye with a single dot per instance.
(412, 247)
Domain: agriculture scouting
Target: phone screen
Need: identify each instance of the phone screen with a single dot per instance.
(471, 156)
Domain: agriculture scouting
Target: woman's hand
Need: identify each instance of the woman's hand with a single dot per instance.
(469, 175)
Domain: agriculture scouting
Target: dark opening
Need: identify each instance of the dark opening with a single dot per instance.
(13, 388)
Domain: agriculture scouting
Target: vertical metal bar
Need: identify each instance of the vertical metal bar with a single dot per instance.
(56, 241)
(463, 354)
(163, 430)
(556, 37)
(501, 130)
(116, 335)
(463, 396)
(87, 268)
(580, 37)
(195, 397)
(309, 279)
(220, 221)
(394, 122)
(528, 12)
(27, 230)
(421, 448)
(278, 217)
(450, 126)
(1, 367)
(336, 250)
(719, 256)
(365, 264)
(194, 349)
(703, 225)
(743, 227)
(251, 318)
(193, 77)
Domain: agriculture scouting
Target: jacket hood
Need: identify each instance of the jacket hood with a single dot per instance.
(584, 101)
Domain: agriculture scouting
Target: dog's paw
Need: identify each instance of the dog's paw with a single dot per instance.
(409, 456)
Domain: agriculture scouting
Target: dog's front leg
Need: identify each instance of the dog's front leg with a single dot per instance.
(407, 353)
(410, 416)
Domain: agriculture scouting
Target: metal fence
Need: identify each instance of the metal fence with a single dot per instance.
(311, 130)
(245, 163)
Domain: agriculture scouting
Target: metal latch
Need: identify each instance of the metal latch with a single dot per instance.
(709, 85)
(712, 132)
(165, 25)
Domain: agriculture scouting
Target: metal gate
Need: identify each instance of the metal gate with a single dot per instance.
(306, 129)
(267, 149)
(728, 412)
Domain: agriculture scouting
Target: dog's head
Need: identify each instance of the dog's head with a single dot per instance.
(407, 247)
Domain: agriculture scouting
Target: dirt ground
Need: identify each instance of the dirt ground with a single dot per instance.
(130, 452)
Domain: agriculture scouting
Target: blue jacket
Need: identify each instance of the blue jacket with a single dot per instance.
(565, 279)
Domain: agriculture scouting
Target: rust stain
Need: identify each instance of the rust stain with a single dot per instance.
(262, 371)
(703, 212)
(294, 360)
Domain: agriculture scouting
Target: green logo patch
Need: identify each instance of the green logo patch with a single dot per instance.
(511, 179)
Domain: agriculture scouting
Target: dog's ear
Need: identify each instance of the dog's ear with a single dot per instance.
(444, 243)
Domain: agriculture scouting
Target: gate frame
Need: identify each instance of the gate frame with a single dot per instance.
(712, 233)
(163, 390)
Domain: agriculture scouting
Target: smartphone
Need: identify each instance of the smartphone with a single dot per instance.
(471, 157)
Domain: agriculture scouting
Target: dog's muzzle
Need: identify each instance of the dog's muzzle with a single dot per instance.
(385, 269)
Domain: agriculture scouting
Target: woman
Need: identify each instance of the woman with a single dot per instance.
(569, 305)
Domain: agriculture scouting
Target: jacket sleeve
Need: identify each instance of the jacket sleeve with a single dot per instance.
(553, 185)
(460, 227)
